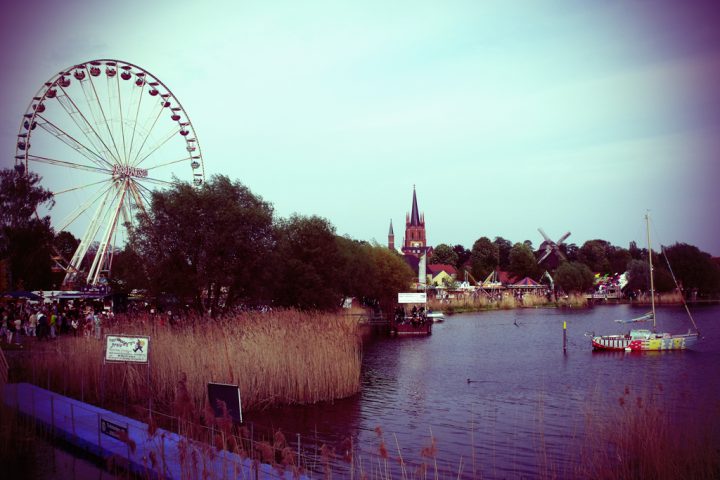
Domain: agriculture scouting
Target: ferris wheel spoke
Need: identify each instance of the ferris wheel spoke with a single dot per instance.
(64, 163)
(140, 198)
(79, 187)
(102, 111)
(157, 181)
(85, 206)
(147, 135)
(156, 148)
(102, 258)
(70, 141)
(120, 112)
(173, 162)
(144, 191)
(135, 122)
(91, 233)
(82, 122)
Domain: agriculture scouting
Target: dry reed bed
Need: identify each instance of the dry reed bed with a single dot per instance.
(639, 439)
(283, 357)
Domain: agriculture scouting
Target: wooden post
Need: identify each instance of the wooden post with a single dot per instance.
(564, 337)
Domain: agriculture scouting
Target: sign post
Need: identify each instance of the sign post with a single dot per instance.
(129, 349)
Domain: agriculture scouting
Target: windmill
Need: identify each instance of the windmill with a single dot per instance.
(548, 246)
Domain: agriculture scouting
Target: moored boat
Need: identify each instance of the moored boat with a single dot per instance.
(412, 322)
(640, 340)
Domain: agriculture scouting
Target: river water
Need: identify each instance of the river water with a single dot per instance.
(500, 398)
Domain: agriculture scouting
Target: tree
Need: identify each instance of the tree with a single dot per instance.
(463, 255)
(523, 262)
(573, 277)
(484, 258)
(693, 268)
(65, 244)
(392, 275)
(307, 264)
(593, 253)
(504, 246)
(209, 244)
(443, 254)
(25, 239)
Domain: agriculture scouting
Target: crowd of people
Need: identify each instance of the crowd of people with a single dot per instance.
(45, 322)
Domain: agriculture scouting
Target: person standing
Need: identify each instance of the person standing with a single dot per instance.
(53, 323)
(32, 324)
(18, 329)
(98, 325)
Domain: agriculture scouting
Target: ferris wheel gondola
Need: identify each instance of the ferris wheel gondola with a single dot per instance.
(103, 135)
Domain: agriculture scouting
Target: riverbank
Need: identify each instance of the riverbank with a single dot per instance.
(480, 303)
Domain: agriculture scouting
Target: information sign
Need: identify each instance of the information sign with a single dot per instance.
(126, 348)
(412, 297)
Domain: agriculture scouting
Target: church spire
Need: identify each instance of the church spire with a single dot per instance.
(391, 237)
(415, 213)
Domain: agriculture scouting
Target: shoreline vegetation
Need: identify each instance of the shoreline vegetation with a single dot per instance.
(482, 303)
(285, 357)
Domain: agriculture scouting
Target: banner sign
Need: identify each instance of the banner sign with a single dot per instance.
(112, 429)
(414, 297)
(125, 348)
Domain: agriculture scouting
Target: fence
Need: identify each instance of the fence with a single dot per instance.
(3, 370)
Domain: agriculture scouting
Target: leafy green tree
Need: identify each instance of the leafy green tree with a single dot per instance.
(573, 277)
(128, 271)
(209, 244)
(391, 275)
(504, 246)
(638, 276)
(25, 239)
(463, 255)
(307, 260)
(618, 258)
(593, 253)
(484, 258)
(694, 268)
(443, 254)
(523, 262)
(65, 244)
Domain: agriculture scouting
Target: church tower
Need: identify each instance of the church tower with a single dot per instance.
(414, 242)
(391, 238)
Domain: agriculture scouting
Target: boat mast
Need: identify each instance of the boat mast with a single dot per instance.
(652, 283)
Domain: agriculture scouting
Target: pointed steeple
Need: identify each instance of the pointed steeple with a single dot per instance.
(391, 237)
(415, 213)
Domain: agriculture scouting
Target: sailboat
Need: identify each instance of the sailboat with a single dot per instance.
(640, 340)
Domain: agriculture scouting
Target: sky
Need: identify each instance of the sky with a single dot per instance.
(505, 116)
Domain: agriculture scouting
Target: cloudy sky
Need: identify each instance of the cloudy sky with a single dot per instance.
(506, 116)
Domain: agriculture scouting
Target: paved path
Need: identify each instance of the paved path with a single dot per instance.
(96, 430)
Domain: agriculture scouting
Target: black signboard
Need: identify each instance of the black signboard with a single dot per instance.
(229, 395)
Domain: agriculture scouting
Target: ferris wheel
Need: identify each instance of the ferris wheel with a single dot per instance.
(103, 135)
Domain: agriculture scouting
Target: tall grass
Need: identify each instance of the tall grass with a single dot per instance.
(638, 439)
(284, 357)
